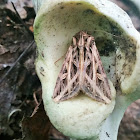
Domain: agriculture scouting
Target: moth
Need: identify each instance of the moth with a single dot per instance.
(82, 71)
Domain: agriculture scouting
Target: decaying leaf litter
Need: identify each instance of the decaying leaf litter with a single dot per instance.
(20, 92)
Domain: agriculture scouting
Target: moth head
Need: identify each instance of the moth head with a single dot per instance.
(118, 44)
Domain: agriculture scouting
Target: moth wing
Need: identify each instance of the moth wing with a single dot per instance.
(95, 80)
(66, 84)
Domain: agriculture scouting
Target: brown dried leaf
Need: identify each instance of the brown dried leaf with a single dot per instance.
(130, 124)
(3, 50)
(56, 135)
(36, 127)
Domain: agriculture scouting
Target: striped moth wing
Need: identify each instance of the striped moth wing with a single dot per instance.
(82, 71)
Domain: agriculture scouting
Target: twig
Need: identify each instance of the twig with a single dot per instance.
(35, 99)
(19, 58)
(35, 110)
(26, 27)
